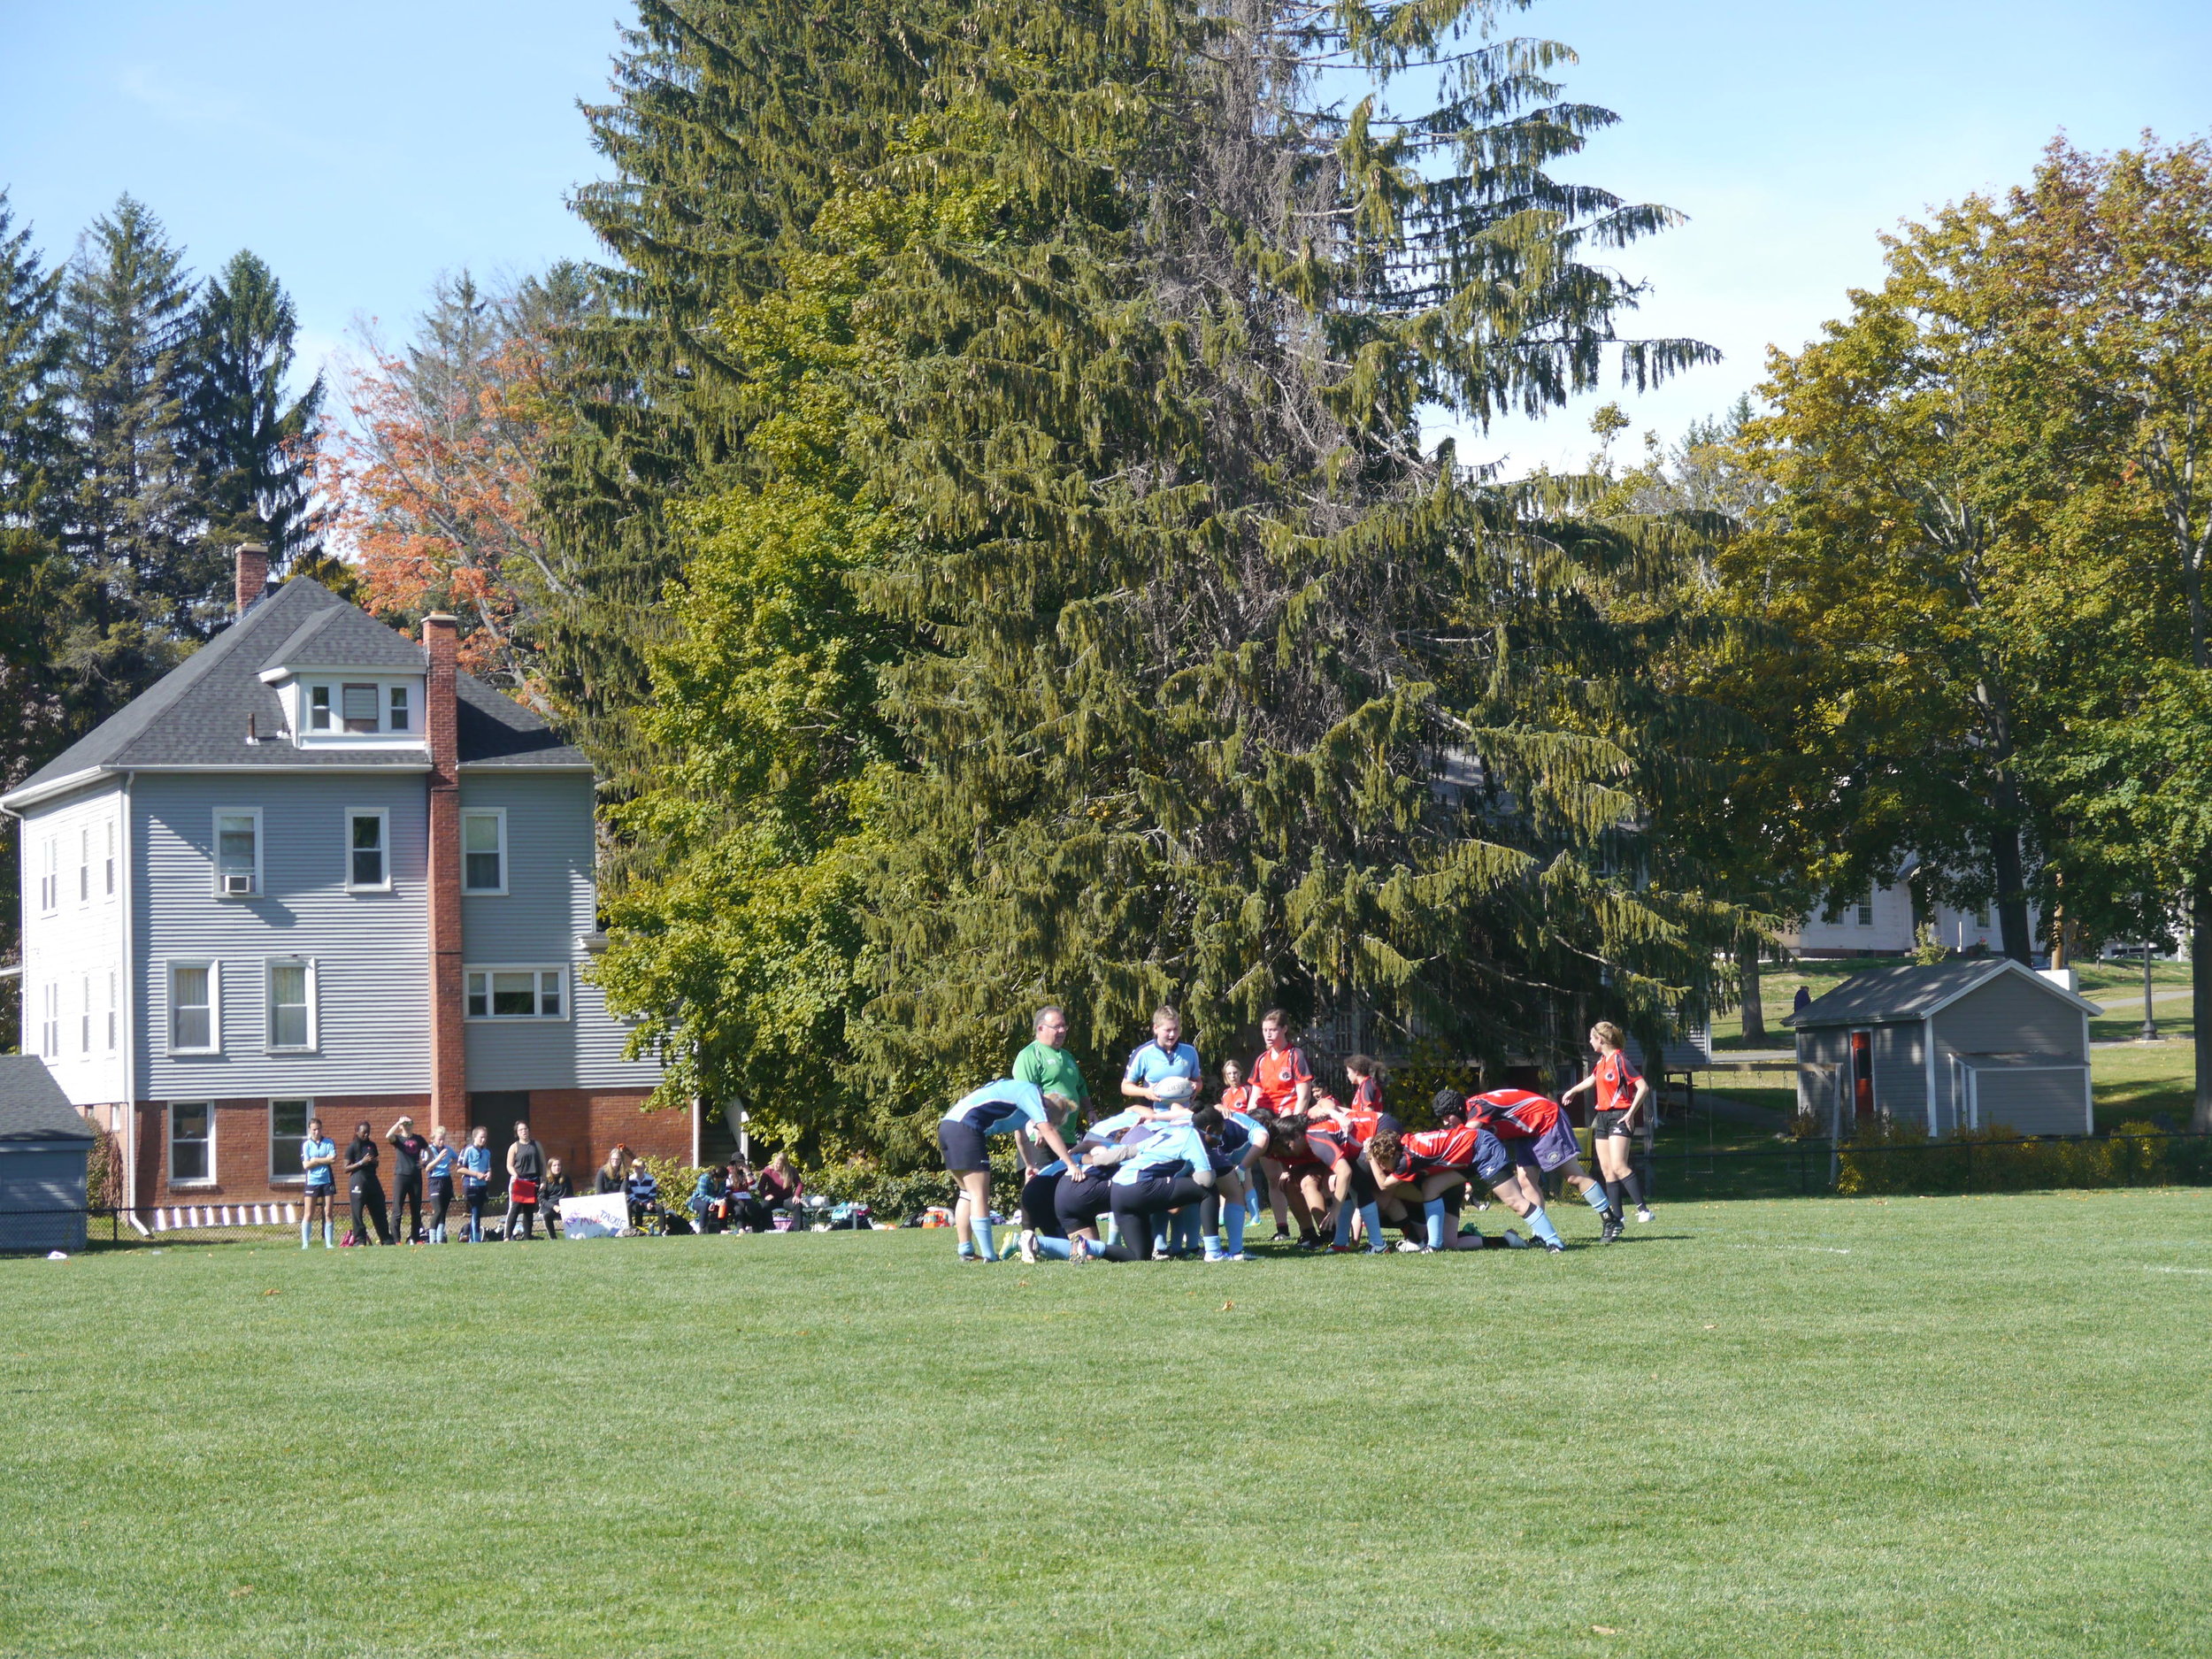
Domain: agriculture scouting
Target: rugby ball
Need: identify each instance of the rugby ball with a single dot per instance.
(1174, 1091)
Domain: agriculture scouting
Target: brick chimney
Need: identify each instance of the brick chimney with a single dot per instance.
(449, 1058)
(253, 575)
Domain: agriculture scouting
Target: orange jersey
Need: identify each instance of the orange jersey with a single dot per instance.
(1514, 1114)
(1361, 1119)
(1427, 1149)
(1242, 1098)
(1277, 1075)
(1617, 1077)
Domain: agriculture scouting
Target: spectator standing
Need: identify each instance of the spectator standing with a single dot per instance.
(614, 1174)
(1047, 1063)
(526, 1168)
(476, 1180)
(438, 1172)
(363, 1186)
(319, 1158)
(408, 1149)
(555, 1187)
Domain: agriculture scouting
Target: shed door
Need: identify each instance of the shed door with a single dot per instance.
(1862, 1075)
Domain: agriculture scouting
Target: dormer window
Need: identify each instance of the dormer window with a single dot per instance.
(319, 708)
(358, 705)
(399, 709)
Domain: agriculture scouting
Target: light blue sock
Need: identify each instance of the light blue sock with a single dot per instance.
(1435, 1210)
(1597, 1199)
(307, 1230)
(1189, 1230)
(984, 1246)
(1233, 1214)
(1539, 1224)
(1371, 1214)
(1057, 1248)
(1252, 1205)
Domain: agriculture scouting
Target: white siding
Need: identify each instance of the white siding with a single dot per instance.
(551, 903)
(74, 951)
(369, 949)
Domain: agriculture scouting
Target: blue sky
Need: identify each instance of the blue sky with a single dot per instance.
(362, 150)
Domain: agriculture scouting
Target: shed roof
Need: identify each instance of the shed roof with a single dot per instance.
(195, 716)
(31, 1105)
(1884, 996)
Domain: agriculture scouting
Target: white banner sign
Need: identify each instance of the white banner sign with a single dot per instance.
(606, 1215)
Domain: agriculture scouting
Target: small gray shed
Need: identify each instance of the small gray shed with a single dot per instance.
(1970, 1044)
(44, 1143)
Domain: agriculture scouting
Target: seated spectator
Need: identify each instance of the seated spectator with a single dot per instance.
(780, 1185)
(644, 1193)
(614, 1174)
(710, 1202)
(555, 1186)
(746, 1209)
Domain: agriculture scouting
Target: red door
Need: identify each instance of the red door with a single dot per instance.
(1862, 1074)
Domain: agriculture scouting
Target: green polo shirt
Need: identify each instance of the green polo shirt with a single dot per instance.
(1051, 1070)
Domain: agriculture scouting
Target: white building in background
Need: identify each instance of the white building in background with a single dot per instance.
(1879, 924)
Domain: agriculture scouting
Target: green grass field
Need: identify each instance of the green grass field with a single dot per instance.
(1921, 1426)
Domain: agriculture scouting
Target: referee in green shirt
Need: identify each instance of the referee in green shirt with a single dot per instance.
(1047, 1063)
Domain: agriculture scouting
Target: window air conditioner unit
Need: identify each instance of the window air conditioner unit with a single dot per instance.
(237, 884)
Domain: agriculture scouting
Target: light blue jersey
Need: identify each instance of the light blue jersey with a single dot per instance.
(1151, 1063)
(1000, 1107)
(476, 1167)
(1174, 1143)
(319, 1174)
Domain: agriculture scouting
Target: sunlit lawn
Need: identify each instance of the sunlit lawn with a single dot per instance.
(1956, 1426)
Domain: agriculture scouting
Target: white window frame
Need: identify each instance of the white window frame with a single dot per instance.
(461, 829)
(384, 844)
(215, 850)
(269, 1006)
(109, 879)
(50, 876)
(84, 1014)
(399, 701)
(299, 1180)
(214, 1002)
(110, 1011)
(84, 863)
(49, 1022)
(328, 711)
(472, 971)
(169, 1137)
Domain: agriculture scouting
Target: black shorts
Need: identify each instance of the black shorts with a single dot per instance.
(1607, 1123)
(963, 1146)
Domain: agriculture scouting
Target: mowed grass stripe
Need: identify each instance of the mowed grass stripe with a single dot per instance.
(1943, 1426)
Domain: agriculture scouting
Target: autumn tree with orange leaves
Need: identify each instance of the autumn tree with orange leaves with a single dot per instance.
(436, 477)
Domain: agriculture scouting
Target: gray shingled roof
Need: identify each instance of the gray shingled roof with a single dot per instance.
(196, 715)
(1885, 996)
(31, 1105)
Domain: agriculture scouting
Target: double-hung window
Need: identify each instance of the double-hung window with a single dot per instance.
(356, 707)
(1866, 908)
(368, 852)
(50, 1023)
(84, 863)
(397, 707)
(288, 1127)
(484, 851)
(518, 993)
(319, 708)
(291, 1002)
(84, 1013)
(191, 1141)
(110, 1010)
(194, 1003)
(108, 864)
(237, 852)
(49, 875)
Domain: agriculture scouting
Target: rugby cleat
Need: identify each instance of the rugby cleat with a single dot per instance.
(1512, 1240)
(1643, 1212)
(1556, 1246)
(1029, 1246)
(1407, 1247)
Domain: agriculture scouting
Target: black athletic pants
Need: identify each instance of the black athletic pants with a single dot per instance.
(369, 1195)
(407, 1194)
(1078, 1200)
(524, 1213)
(440, 1201)
(1135, 1204)
(1039, 1212)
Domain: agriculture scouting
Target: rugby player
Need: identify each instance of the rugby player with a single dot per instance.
(1533, 1128)
(1623, 1093)
(996, 1109)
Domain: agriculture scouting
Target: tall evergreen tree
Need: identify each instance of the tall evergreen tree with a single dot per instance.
(1224, 686)
(147, 583)
(251, 447)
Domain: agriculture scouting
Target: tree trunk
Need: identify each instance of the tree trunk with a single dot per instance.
(2200, 988)
(1754, 1013)
(2012, 899)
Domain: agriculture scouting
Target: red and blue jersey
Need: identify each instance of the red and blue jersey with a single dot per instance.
(1515, 1114)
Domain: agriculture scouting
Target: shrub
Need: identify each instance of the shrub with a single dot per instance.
(676, 1179)
(1899, 1159)
(103, 1172)
(893, 1198)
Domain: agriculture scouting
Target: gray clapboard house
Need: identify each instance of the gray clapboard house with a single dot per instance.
(316, 868)
(1976, 1043)
(44, 1142)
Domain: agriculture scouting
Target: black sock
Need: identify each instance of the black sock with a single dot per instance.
(1613, 1193)
(1633, 1188)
